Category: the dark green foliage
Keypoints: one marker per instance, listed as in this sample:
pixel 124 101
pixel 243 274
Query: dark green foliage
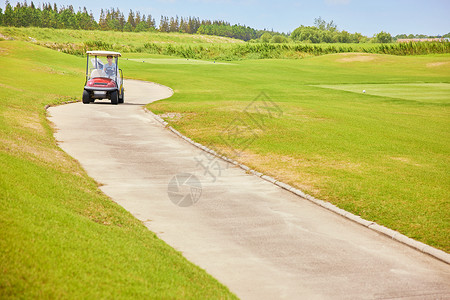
pixel 279 39
pixel 235 31
pixel 323 32
pixel 312 34
pixel 384 37
pixel 24 15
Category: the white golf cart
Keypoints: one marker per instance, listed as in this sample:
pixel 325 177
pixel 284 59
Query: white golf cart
pixel 103 80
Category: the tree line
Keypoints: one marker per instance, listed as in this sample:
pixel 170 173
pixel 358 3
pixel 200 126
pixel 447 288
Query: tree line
pixel 235 31
pixel 52 16
pixel 323 32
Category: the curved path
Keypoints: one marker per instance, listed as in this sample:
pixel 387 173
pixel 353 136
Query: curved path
pixel 258 239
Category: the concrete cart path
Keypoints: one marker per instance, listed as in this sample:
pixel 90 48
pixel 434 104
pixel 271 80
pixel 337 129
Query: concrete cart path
pixel 261 241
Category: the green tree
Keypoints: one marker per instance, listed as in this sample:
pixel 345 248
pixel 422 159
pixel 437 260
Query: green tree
pixel 307 34
pixel 173 24
pixel 265 38
pixel 278 38
pixel 344 37
pixel 224 29
pixel 142 25
pixel 131 20
pixel 128 27
pixel 320 23
pixel 164 24
pixel 102 21
pixel 384 37
pixel 400 36
pixel 151 22
pixel 358 38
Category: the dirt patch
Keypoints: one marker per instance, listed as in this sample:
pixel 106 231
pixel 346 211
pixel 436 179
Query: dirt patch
pixel 5 37
pixel 405 160
pixel 37 153
pixel 29 120
pixel 4 51
pixel 171 116
pixel 287 169
pixel 5 86
pixel 291 170
pixel 356 58
pixel 438 64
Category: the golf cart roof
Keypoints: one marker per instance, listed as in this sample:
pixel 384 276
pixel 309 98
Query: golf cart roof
pixel 104 53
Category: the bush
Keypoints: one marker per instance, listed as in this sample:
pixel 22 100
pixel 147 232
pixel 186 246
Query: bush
pixel 383 37
pixel 265 38
pixel 277 49
pixel 279 39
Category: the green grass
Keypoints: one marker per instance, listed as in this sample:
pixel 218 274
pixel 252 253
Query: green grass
pixel 428 92
pixel 384 155
pixel 174 61
pixel 60 237
pixel 112 37
pixel 78 41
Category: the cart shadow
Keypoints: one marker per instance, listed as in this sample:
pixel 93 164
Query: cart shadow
pixel 109 103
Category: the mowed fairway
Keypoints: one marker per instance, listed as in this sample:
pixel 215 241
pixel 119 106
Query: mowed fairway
pixel 383 154
pixel 427 92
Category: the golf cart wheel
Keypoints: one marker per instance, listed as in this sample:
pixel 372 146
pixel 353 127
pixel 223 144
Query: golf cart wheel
pixel 121 96
pixel 114 97
pixel 86 97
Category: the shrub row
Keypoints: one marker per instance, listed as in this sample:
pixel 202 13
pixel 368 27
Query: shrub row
pixel 229 52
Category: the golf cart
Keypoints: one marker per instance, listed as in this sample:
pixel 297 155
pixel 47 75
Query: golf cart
pixel 103 80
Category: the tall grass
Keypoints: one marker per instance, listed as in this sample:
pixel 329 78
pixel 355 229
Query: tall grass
pixel 265 50
pixel 412 48
pixel 229 52
pixel 202 47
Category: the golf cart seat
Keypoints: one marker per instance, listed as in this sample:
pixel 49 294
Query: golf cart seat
pixel 97 73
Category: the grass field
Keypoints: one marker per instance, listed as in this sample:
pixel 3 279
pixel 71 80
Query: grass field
pixel 78 41
pixel 437 93
pixel 112 37
pixel 60 237
pixel 383 154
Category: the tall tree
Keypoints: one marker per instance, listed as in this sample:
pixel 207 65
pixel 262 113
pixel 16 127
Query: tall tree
pixel 173 25
pixel 102 20
pixel 131 21
pixel 164 24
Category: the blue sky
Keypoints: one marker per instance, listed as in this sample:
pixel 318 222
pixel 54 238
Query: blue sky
pixel 429 17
